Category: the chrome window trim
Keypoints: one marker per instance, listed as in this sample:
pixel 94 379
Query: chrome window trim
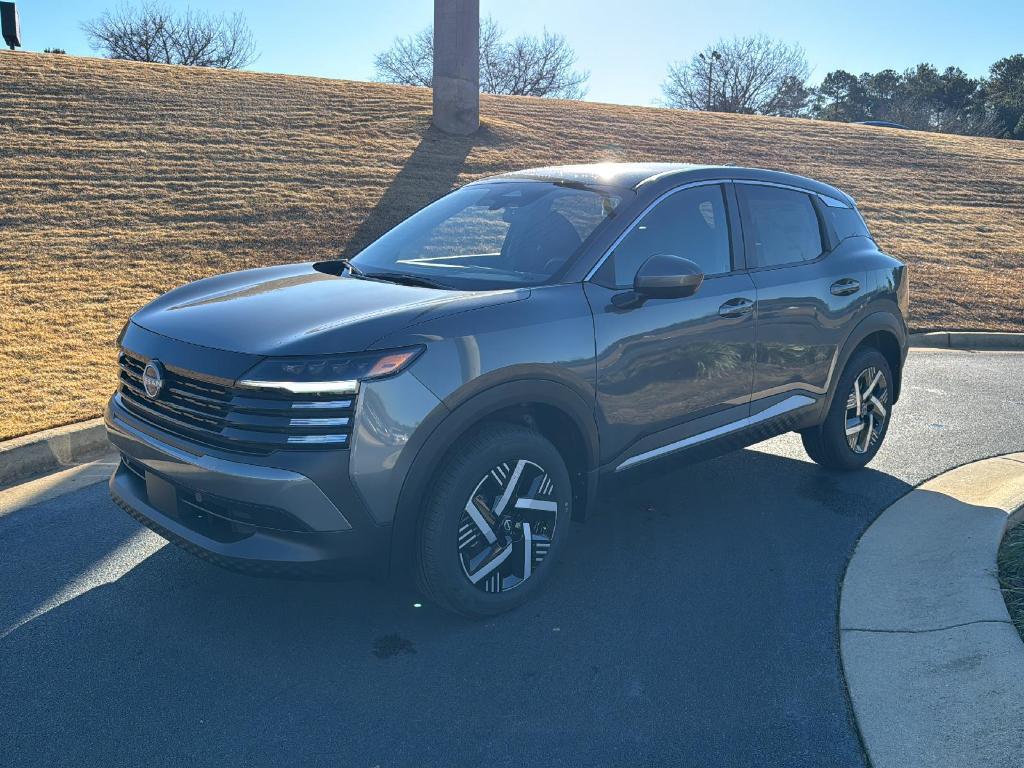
pixel 791 403
pixel 758 183
pixel 645 211
pixel 794 187
pixel 831 202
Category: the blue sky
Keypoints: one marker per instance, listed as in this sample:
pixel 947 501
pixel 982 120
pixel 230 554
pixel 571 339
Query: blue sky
pixel 626 46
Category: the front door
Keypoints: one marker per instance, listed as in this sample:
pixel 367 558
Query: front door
pixel 673 366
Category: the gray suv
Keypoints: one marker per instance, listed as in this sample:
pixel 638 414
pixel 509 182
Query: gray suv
pixel 445 402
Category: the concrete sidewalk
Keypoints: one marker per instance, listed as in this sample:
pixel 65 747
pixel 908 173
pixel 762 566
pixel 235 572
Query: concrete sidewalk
pixel 934 667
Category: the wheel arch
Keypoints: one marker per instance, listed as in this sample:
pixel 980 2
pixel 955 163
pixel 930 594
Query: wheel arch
pixel 884 331
pixel 555 410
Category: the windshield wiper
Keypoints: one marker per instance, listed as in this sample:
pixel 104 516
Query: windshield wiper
pixel 403 278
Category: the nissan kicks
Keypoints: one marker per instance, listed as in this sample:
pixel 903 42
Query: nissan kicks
pixel 444 403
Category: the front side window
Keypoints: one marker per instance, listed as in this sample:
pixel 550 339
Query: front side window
pixel 782 224
pixel 690 223
pixel 497 235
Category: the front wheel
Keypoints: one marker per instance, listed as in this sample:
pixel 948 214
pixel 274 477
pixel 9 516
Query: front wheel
pixel 858 419
pixel 495 522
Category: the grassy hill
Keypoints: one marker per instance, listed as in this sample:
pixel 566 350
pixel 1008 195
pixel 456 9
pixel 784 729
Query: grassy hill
pixel 121 180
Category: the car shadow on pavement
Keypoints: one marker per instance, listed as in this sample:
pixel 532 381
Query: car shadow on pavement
pixel 700 603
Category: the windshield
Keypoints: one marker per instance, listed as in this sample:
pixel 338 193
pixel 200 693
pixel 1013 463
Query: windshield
pixel 497 235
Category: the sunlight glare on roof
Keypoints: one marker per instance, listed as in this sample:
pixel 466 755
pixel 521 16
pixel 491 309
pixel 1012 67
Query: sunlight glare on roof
pixel 605 171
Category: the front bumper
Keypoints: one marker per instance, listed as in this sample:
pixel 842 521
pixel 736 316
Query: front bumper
pixel 249 517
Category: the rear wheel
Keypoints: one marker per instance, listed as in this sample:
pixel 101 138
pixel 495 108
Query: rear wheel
pixel 858 419
pixel 495 523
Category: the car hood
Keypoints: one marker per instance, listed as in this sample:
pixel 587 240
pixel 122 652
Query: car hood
pixel 299 310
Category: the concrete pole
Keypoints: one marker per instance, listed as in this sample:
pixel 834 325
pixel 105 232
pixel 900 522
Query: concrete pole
pixel 457 66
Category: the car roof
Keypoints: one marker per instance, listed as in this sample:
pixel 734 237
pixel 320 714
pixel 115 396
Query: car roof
pixel 629 175
pixel 660 175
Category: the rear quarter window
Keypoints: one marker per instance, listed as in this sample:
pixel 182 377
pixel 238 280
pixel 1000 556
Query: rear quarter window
pixel 847 222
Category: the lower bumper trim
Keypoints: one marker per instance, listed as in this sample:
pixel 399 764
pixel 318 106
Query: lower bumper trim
pixel 256 551
pixel 249 484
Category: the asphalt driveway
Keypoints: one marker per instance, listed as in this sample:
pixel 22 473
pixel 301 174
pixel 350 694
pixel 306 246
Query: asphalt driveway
pixel 693 623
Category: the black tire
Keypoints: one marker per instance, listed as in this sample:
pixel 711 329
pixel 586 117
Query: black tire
pixel 829 444
pixel 445 558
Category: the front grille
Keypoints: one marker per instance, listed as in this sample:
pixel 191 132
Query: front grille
pixel 235 419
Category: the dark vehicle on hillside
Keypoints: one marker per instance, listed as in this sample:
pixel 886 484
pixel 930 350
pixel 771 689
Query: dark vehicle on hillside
pixel 444 404
pixel 884 124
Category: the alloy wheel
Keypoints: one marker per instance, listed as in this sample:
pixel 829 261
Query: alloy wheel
pixel 867 410
pixel 507 526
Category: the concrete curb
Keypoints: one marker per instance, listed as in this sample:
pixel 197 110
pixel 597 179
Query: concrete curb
pixel 28 493
pixel 989 340
pixel 934 666
pixel 51 450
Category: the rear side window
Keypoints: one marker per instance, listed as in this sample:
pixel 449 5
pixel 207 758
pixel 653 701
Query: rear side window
pixel 690 223
pixel 847 222
pixel 782 224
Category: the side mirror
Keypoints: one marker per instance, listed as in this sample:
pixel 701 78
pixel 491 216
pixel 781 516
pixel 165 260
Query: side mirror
pixel 662 276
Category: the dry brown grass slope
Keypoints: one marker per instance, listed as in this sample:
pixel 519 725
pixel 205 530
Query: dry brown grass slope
pixel 120 181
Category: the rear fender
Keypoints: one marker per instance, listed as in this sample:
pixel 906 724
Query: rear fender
pixel 884 321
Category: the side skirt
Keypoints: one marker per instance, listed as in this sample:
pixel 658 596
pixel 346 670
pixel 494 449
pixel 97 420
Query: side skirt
pixel 793 412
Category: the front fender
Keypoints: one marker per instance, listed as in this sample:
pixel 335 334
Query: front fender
pixel 442 428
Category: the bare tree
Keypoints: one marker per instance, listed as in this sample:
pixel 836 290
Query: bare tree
pixel 410 60
pixel 752 75
pixel 536 66
pixel 526 66
pixel 492 53
pixel 150 31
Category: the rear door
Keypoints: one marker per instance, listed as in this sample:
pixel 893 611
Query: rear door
pixel 673 366
pixel 806 296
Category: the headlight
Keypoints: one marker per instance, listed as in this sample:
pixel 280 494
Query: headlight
pixel 334 374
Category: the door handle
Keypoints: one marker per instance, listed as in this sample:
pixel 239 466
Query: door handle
pixel 736 307
pixel 845 287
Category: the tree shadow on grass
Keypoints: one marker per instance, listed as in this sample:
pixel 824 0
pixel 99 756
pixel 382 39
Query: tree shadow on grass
pixel 430 172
